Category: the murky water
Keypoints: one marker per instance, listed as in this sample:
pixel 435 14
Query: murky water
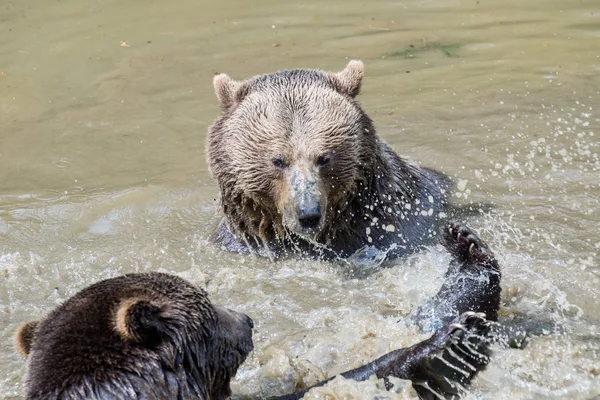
pixel 104 107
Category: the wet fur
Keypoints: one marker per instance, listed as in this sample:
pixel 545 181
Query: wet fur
pixel 373 196
pixel 472 282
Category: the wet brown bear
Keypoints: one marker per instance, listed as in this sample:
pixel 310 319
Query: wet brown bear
pixel 301 169
pixel 139 336
pixel 156 336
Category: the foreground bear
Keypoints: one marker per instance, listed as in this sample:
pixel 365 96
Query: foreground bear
pixel 138 336
pixel 156 336
pixel 301 169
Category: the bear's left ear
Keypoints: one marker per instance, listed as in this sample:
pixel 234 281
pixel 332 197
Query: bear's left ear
pixel 350 78
pixel 25 336
pixel 140 321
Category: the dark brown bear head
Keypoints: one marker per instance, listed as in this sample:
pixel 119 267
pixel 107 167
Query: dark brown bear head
pixel 289 149
pixel 151 335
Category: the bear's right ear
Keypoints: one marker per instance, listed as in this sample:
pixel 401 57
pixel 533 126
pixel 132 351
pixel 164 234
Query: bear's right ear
pixel 226 89
pixel 349 79
pixel 140 321
pixel 25 336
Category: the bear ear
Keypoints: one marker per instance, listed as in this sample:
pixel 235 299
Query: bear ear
pixel 140 321
pixel 226 89
pixel 25 336
pixel 350 78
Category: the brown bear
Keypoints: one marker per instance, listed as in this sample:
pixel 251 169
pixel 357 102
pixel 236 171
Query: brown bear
pixel 138 336
pixel 156 336
pixel 302 170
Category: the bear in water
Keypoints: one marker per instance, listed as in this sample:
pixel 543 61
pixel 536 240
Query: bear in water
pixel 156 336
pixel 138 336
pixel 302 170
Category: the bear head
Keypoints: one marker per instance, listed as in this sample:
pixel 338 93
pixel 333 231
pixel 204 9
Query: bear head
pixel 148 335
pixel 289 149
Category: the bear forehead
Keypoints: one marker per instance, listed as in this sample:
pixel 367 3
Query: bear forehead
pixel 94 310
pixel 306 112
pixel 165 289
pixel 298 77
pixel 151 282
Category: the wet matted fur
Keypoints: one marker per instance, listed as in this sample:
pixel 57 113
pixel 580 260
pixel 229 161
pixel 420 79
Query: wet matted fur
pixel 138 336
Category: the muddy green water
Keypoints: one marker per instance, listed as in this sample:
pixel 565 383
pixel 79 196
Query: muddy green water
pixel 104 107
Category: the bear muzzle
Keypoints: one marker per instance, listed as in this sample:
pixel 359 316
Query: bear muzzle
pixel 309 215
pixel 304 210
pixel 237 328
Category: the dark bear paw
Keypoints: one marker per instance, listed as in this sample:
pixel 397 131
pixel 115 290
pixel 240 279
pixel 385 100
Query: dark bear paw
pixel 452 357
pixel 467 248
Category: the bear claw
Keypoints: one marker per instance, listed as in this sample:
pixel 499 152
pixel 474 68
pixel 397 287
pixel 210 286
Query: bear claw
pixel 457 326
pixel 461 352
pixel 467 247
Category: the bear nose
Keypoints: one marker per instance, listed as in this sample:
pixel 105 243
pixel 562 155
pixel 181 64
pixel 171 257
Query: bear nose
pixel 309 218
pixel 249 322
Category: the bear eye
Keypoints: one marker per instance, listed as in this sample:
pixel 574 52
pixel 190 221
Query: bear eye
pixel 278 162
pixel 323 160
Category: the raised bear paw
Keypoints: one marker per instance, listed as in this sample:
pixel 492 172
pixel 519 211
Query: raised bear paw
pixel 467 248
pixel 450 359
pixel 472 282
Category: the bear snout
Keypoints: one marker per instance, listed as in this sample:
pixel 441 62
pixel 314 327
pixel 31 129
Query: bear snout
pixel 304 210
pixel 309 215
pixel 304 214
pixel 237 327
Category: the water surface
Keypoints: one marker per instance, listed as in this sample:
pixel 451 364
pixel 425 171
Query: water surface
pixel 104 108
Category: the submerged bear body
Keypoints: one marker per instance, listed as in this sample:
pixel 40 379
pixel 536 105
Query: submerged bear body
pixel 301 169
